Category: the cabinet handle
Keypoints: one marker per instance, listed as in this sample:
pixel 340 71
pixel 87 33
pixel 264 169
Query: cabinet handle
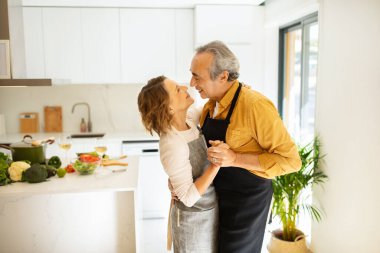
pixel 155 150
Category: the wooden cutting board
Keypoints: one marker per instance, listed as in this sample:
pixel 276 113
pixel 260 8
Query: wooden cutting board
pixel 53 118
pixel 29 122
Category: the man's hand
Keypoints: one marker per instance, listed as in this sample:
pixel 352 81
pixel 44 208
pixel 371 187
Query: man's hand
pixel 174 197
pixel 220 154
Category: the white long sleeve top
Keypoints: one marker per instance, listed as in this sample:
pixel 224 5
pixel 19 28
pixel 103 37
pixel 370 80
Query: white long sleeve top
pixel 174 154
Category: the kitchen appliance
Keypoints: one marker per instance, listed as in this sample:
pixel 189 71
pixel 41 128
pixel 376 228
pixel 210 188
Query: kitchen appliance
pixel 153 191
pixel 53 118
pixel 29 122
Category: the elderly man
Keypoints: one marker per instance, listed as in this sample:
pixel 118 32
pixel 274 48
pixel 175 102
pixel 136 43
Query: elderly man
pixel 247 138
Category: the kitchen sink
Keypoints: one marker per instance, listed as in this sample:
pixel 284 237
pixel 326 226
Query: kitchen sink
pixel 87 135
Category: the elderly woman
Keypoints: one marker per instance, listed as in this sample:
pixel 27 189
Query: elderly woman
pixel 163 105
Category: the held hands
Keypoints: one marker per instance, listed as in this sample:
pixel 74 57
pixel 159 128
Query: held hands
pixel 220 154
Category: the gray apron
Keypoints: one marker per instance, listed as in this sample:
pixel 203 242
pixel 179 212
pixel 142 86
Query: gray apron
pixel 195 229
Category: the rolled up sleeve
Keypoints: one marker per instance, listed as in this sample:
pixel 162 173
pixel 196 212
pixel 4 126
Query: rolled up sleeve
pixel 280 154
pixel 175 160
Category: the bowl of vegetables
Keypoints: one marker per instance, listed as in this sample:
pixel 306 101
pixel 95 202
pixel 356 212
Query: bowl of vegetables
pixel 86 164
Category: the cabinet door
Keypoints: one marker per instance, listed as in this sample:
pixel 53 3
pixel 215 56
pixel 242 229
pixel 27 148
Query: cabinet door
pixel 184 37
pixel 228 23
pixel 147 44
pixel 34 49
pixel 63 43
pixel 154 187
pixel 101 45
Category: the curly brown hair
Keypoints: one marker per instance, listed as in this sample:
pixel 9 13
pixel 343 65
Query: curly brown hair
pixel 153 102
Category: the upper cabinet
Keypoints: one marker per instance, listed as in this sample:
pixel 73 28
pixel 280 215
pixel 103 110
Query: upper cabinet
pixel 100 45
pixel 156 42
pixel 241 27
pixel 107 45
pixel 34 44
pixel 148 39
pixel 85 45
pixel 230 24
pixel 63 43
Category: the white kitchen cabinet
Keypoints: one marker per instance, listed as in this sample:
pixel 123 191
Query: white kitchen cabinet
pixel 101 45
pixel 241 27
pixel 153 194
pixel 184 51
pixel 156 42
pixel 154 186
pixel 107 45
pixel 34 44
pixel 72 45
pixel 228 23
pixel 63 43
pixel 147 44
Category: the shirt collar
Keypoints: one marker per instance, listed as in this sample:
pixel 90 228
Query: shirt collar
pixel 227 99
pixel 224 102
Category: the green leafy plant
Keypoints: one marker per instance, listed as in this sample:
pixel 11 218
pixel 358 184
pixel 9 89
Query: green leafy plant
pixel 4 165
pixel 287 190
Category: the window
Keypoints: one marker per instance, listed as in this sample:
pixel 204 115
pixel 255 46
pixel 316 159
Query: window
pixel 297 77
pixel 297 86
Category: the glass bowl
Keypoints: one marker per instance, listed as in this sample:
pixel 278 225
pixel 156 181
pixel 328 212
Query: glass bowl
pixel 85 168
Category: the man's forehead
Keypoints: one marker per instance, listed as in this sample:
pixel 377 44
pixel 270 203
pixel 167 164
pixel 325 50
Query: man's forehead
pixel 200 63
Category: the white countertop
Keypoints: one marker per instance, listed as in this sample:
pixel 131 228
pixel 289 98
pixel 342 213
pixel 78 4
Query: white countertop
pixel 103 179
pixel 120 136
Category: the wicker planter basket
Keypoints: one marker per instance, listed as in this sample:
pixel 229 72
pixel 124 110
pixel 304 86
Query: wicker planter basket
pixel 277 245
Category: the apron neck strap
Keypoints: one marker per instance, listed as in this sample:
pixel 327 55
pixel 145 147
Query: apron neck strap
pixel 233 103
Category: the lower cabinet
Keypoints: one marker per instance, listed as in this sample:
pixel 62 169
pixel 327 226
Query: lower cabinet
pixel 154 186
pixel 153 192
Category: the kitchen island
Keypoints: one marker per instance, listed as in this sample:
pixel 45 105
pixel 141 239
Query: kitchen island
pixel 77 213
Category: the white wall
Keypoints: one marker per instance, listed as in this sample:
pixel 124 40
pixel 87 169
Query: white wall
pixel 277 14
pixel 348 120
pixel 113 107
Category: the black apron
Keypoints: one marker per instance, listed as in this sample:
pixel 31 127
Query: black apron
pixel 244 198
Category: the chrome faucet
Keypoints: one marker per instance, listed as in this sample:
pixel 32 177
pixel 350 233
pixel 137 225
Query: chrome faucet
pixel 89 123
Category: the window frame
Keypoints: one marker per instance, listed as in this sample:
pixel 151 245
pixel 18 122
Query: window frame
pixel 297 24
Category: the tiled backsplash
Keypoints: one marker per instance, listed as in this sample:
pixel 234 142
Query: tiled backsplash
pixel 113 107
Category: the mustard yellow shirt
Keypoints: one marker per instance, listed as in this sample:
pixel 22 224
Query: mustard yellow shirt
pixel 256 127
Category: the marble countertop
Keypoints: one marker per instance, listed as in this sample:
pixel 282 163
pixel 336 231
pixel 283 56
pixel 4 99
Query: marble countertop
pixel 120 136
pixel 102 180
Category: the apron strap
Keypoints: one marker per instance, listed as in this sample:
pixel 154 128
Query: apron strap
pixel 233 103
pixel 169 238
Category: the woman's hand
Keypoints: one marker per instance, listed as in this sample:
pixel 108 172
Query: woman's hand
pixel 220 154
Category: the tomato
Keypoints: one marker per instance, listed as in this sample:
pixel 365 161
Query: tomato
pixel 88 158
pixel 69 168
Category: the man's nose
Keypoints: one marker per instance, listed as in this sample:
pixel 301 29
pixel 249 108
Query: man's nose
pixel 192 82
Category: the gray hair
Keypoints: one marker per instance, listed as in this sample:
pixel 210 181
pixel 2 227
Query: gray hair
pixel 224 60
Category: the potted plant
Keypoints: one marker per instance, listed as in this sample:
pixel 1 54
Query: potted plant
pixel 288 200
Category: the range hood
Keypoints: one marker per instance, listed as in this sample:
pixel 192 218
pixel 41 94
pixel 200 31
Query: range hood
pixel 4 35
